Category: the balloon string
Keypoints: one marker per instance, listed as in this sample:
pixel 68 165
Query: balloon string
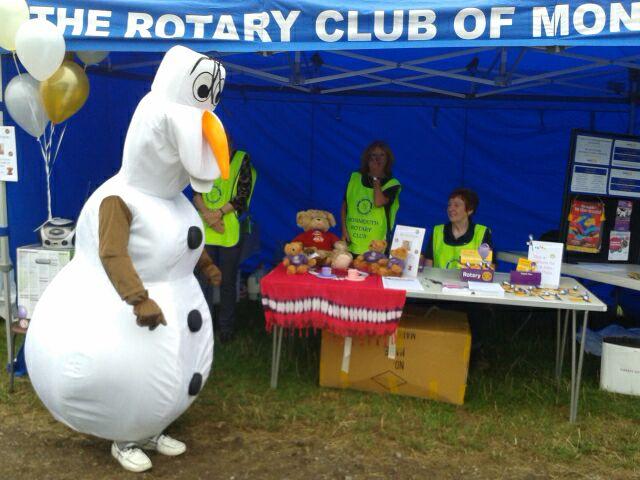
pixel 55 155
pixel 48 170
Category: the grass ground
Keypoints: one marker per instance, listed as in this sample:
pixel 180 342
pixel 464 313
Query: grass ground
pixel 513 424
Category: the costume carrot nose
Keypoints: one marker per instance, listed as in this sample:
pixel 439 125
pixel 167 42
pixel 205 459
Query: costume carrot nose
pixel 213 131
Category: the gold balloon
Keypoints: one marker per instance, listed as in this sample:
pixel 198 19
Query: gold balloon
pixel 65 92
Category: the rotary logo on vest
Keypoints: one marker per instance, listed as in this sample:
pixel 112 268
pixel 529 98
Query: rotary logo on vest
pixel 364 206
pixel 214 194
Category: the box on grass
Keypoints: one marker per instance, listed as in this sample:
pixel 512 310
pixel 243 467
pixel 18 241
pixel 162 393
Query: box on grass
pixel 431 360
pixel 620 365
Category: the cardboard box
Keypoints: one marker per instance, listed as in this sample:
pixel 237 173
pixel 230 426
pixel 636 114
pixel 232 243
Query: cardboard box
pixel 431 359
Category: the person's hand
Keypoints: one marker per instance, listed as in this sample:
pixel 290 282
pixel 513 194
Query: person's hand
pixel 213 275
pixel 212 217
pixel 376 171
pixel 148 314
pixel 218 226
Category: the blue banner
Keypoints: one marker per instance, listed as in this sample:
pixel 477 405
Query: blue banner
pixel 277 25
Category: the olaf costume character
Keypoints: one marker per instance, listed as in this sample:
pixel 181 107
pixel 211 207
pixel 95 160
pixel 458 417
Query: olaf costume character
pixel 91 359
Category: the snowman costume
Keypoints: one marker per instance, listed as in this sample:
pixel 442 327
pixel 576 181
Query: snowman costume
pixel 138 241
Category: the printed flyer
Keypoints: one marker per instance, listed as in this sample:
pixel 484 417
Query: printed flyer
pixel 623 215
pixel 619 245
pixel 8 156
pixel 585 226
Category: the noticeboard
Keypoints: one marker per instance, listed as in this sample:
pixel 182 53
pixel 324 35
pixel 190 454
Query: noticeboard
pixel 601 206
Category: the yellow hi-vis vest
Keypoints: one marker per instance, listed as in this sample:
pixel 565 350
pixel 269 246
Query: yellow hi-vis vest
pixel 365 221
pixel 221 193
pixel 447 256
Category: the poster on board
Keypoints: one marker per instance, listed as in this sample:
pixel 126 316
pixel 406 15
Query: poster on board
pixel 593 150
pixel 585 226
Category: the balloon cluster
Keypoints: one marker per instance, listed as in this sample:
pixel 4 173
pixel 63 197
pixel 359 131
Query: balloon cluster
pixel 55 87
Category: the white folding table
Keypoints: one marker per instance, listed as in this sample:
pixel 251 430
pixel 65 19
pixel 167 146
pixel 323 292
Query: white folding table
pixel 431 280
pixel 616 274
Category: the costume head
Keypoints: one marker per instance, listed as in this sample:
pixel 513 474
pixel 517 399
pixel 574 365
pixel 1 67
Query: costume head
pixel 178 110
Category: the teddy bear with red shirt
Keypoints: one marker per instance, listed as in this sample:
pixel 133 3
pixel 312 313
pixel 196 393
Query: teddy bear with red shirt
pixel 317 240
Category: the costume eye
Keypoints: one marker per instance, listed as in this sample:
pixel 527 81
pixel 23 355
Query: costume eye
pixel 202 86
pixel 217 92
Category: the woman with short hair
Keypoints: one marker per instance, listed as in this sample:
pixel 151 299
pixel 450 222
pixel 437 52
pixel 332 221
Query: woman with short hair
pixel 447 240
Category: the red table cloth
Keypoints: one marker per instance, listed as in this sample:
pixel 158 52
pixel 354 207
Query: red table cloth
pixel 340 306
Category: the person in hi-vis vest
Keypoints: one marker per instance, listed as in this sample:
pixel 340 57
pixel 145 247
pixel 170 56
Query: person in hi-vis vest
pixel 371 200
pixel 447 240
pixel 220 210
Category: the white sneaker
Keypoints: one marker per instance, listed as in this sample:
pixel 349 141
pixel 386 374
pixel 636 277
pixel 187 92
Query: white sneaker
pixel 165 445
pixel 131 457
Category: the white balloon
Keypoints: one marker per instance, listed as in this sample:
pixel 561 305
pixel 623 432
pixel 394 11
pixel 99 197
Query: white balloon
pixel 40 47
pixel 24 104
pixel 92 57
pixel 13 13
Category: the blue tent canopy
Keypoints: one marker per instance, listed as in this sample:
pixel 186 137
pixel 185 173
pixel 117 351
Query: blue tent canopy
pixel 490 108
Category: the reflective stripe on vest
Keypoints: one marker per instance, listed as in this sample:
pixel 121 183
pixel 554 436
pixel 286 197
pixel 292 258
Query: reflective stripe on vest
pixel 365 221
pixel 444 255
pixel 221 193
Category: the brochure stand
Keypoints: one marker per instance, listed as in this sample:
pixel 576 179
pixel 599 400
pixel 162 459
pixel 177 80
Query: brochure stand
pixel 601 205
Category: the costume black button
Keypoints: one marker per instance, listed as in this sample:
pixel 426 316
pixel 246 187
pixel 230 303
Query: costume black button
pixel 194 237
pixel 195 384
pixel 194 320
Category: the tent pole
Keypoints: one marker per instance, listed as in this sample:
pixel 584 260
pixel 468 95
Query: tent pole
pixel 5 258
pixel 5 266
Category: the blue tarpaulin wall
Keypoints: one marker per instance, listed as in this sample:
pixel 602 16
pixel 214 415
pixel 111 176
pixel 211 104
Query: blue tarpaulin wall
pixel 513 154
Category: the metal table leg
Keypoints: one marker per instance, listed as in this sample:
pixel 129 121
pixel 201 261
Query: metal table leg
pixel 578 377
pixel 563 344
pixel 12 365
pixel 573 364
pixel 275 354
pixel 558 328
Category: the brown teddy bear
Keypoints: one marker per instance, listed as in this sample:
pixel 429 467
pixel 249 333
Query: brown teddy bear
pixel 316 237
pixel 340 258
pixel 395 264
pixel 295 260
pixel 370 260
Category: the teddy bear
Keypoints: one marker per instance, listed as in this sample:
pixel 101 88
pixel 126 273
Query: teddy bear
pixel 316 239
pixel 295 260
pixel 372 258
pixel 395 264
pixel 340 258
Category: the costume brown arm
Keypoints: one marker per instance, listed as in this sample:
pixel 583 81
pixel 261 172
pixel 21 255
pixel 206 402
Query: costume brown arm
pixel 113 233
pixel 208 269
